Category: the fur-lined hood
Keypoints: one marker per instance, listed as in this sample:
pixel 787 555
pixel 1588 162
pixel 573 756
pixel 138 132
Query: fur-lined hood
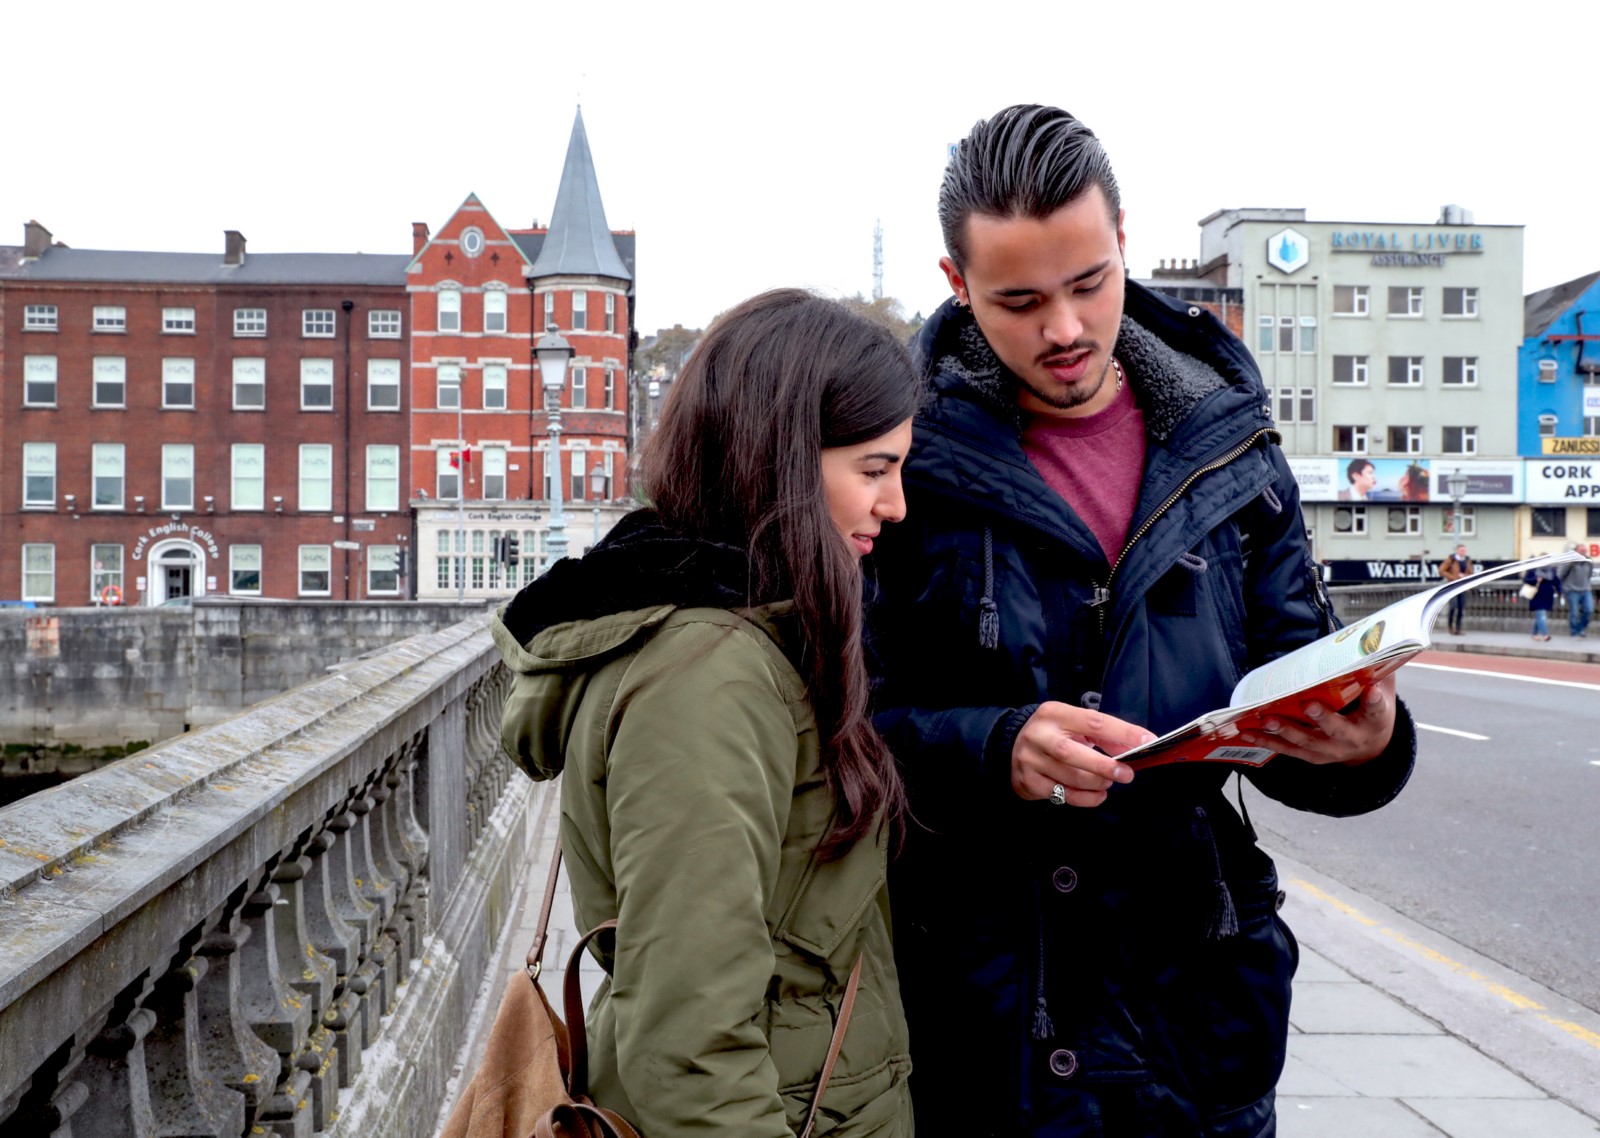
pixel 564 628
pixel 640 565
pixel 1172 366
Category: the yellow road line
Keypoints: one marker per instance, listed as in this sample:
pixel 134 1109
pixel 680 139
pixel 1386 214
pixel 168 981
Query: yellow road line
pixel 1330 899
pixel 1514 998
pixel 1577 1030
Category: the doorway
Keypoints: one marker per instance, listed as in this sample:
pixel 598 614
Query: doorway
pixel 180 581
pixel 176 573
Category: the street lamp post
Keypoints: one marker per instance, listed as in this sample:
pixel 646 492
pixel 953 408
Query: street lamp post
pixel 1456 486
pixel 597 487
pixel 553 353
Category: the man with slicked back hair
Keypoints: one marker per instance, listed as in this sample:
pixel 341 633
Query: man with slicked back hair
pixel 1103 536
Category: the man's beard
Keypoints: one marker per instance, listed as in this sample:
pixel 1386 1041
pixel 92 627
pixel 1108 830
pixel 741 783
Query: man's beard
pixel 1065 400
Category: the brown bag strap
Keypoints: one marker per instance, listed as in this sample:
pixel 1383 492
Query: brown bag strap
pixel 582 1120
pixel 834 1044
pixel 572 1007
pixel 577 1032
pixel 536 950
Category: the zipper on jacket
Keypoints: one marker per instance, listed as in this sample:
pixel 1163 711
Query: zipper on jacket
pixel 1102 593
pixel 1319 592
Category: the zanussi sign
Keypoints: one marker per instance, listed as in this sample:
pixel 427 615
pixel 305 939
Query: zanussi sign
pixel 1570 446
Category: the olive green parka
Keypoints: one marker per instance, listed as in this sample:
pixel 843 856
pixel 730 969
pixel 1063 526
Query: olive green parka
pixel 692 808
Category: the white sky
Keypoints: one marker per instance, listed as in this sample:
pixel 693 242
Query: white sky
pixel 754 145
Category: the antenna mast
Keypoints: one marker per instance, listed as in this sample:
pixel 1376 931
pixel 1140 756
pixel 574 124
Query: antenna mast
pixel 877 260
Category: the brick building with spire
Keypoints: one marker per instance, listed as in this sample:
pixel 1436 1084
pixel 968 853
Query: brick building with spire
pixel 480 449
pixel 309 425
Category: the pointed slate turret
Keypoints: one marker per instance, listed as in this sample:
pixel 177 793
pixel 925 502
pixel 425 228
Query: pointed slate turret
pixel 579 242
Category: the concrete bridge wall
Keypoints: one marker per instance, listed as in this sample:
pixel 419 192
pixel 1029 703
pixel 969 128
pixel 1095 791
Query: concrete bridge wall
pixel 277 924
pixel 103 677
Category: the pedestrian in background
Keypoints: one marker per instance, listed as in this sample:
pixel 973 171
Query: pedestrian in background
pixel 1542 600
pixel 699 675
pixel 1576 583
pixel 1453 568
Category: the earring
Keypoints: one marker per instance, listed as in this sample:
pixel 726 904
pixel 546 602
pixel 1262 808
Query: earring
pixel 961 301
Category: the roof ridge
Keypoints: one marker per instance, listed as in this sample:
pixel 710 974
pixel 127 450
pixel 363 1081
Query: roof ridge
pixel 1547 305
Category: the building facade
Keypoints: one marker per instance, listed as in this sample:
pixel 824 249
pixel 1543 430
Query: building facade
pixel 1558 370
pixel 1390 353
pixel 330 426
pixel 181 424
pixel 481 444
pixel 1558 424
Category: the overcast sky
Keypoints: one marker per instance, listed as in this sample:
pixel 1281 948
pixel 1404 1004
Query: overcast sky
pixel 755 145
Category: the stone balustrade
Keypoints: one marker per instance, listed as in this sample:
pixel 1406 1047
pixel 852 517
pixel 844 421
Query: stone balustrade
pixel 274 925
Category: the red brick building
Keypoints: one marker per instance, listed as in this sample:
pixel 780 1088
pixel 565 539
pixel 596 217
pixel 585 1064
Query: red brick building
pixel 336 426
pixel 178 424
pixel 480 297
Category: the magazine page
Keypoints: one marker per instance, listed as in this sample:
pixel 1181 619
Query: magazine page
pixel 1214 736
pixel 1331 671
pixel 1440 596
pixel 1406 622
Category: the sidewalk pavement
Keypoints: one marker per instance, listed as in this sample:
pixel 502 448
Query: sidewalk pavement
pixel 1398 1032
pixel 1561 645
pixel 1395 1031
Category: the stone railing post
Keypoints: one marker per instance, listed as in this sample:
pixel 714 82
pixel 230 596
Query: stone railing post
pixel 188 1097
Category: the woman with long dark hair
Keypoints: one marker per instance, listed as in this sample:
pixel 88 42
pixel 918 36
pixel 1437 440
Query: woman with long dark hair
pixel 699 676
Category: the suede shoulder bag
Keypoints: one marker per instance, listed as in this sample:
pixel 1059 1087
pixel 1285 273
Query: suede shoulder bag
pixel 534 1078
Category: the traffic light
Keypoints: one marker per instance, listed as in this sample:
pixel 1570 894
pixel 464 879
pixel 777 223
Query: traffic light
pixel 510 549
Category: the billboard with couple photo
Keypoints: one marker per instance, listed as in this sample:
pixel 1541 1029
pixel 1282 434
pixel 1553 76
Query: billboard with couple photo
pixel 1383 480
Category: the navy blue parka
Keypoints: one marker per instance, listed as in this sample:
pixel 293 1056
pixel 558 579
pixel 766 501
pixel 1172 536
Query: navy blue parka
pixel 1120 970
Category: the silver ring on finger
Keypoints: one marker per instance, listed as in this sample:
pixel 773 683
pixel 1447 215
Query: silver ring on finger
pixel 1058 795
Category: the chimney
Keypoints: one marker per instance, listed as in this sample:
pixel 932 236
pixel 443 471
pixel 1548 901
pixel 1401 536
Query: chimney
pixel 233 252
pixel 35 240
pixel 419 236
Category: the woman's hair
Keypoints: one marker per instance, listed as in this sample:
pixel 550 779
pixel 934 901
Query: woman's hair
pixel 737 459
pixel 1415 483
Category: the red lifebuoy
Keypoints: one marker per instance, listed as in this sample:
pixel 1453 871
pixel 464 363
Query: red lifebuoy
pixel 111 595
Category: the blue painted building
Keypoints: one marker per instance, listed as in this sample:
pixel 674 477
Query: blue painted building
pixel 1558 370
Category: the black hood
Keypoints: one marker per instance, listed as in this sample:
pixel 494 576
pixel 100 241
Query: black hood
pixel 640 564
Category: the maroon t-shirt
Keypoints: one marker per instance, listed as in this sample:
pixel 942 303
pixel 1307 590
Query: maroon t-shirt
pixel 1096 463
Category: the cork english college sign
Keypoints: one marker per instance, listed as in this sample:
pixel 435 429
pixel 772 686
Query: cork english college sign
pixel 173 529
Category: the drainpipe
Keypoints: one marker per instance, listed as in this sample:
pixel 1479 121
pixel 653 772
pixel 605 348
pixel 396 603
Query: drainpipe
pixel 349 414
pixel 535 388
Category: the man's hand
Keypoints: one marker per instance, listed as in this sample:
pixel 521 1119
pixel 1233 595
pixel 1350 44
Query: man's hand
pixel 1057 744
pixel 1325 736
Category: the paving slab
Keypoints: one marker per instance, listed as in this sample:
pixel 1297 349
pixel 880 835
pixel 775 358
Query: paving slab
pixel 1500 1118
pixel 1410 1066
pixel 1318 969
pixel 1300 1079
pixel 1502 1016
pixel 1352 1009
pixel 1343 1117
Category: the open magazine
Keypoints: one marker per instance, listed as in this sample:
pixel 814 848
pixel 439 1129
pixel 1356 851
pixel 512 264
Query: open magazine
pixel 1331 671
